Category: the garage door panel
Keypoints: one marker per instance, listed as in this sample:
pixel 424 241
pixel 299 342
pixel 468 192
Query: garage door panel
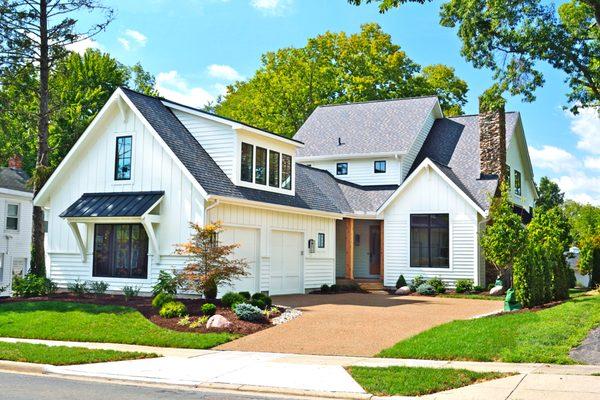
pixel 248 250
pixel 286 262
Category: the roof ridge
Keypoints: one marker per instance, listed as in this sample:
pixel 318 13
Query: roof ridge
pixel 378 101
pixel 476 115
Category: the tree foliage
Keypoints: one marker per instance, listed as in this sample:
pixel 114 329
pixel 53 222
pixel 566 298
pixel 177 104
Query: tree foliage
pixel 210 263
pixel 549 194
pixel 584 219
pixel 589 259
pixel 514 38
pixel 335 68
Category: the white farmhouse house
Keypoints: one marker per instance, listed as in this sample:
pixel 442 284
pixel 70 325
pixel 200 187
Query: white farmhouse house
pixel 15 223
pixel 369 190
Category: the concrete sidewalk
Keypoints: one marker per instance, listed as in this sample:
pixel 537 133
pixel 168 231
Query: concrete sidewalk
pixel 323 376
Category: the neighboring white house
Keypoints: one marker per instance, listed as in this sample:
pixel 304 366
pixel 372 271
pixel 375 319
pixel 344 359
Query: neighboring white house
pixel 15 223
pixel 380 198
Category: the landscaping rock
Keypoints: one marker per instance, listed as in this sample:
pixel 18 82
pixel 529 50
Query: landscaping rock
pixel 288 315
pixel 403 291
pixel 497 291
pixel 218 322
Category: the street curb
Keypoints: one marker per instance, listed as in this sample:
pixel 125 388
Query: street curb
pixel 23 367
pixel 306 393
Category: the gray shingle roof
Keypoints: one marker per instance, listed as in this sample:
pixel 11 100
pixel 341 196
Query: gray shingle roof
pixel 371 127
pixel 453 144
pixel 14 179
pixel 117 204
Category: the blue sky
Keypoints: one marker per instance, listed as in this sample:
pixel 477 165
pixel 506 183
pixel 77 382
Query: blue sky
pixel 196 47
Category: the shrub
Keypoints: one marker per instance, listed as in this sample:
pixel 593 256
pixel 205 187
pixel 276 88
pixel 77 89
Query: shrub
pixel 245 295
pixel 161 299
pixel 173 309
pixel 98 287
pixel 199 322
pixel 400 282
pixel 185 321
pixel 130 292
pixel 477 289
pixel 325 289
pixel 416 282
pixel 572 280
pixel 230 298
pixel 248 312
pixel 264 298
pixel 78 287
pixel 438 284
pixel 258 303
pixel 426 289
pixel 464 285
pixel 209 309
pixel 334 288
pixel 32 286
pixel 166 283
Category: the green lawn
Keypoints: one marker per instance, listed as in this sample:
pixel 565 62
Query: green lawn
pixel 544 336
pixel 61 355
pixel 415 381
pixel 79 322
pixel 471 296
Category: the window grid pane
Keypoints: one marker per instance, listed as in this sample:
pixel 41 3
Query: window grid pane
pixel 123 158
pixel 379 167
pixel 273 169
pixel 246 167
pixel 342 169
pixel 286 172
pixel 260 170
pixel 517 183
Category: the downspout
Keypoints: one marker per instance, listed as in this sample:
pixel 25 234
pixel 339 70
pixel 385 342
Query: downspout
pixel 207 209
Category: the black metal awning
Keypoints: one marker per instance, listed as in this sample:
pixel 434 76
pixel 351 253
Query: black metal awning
pixel 116 204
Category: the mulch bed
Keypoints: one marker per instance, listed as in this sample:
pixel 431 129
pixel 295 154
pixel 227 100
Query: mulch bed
pixel 144 306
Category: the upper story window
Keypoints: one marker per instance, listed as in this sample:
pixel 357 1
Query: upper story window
pixel 508 175
pixel 342 168
pixel 379 167
pixel 247 158
pixel 517 183
pixel 429 241
pixel 260 169
pixel 123 158
pixel 274 169
pixel 12 217
pixel 286 172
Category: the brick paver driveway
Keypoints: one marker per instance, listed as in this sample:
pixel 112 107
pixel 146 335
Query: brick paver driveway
pixel 355 324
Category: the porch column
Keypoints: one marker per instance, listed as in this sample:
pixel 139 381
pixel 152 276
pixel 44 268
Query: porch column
pixel 349 248
pixel 381 252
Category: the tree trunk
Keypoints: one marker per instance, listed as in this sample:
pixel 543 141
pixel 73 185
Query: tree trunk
pixel 41 166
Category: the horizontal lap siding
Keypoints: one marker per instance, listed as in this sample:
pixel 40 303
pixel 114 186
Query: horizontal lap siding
pixel 361 172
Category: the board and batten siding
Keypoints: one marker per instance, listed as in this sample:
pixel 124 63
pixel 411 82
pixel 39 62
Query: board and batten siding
pixel 318 267
pixel 361 170
pixel 219 140
pixel 92 170
pixel 429 193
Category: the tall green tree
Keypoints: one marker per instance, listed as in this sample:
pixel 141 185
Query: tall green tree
pixel 514 37
pixel 549 194
pixel 584 219
pixel 335 68
pixel 36 33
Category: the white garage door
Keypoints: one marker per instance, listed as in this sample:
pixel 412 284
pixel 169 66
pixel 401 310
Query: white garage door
pixel 248 250
pixel 286 262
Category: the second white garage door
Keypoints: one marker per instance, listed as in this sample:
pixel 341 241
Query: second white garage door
pixel 286 263
pixel 247 239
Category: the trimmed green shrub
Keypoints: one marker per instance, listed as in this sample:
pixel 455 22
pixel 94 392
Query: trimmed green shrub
pixel 258 303
pixel 173 309
pixel 130 292
pixel 438 284
pixel 209 309
pixel 334 288
pixel 400 282
pixel 230 298
pixel 264 298
pixel 79 288
pixel 325 289
pixel 571 278
pixel 426 290
pixel 248 312
pixel 464 286
pixel 416 282
pixel 246 295
pixel 98 287
pixel 32 286
pixel 477 289
pixel 161 299
pixel 166 283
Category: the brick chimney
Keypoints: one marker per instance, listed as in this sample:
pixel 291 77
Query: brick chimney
pixel 15 162
pixel 492 142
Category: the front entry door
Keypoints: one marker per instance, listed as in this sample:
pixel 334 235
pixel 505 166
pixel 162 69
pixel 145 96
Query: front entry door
pixel 374 250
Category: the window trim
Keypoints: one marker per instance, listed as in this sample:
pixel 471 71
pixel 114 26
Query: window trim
pixel 430 268
pixel 142 229
pixel 321 240
pixel 518 183
pixel 130 178
pixel 375 171
pixel 337 168
pixel 18 217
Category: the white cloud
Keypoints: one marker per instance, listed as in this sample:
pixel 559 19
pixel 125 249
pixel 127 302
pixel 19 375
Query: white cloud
pixel 81 46
pixel 125 43
pixel 586 125
pixel 580 186
pixel 139 37
pixel 174 87
pixel 272 7
pixel 552 158
pixel 592 162
pixel 224 72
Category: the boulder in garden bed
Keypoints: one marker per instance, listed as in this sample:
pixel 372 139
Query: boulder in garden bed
pixel 218 322
pixel 403 291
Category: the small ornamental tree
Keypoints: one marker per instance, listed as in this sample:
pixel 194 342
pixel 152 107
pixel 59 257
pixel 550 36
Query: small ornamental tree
pixel 504 237
pixel 589 259
pixel 210 263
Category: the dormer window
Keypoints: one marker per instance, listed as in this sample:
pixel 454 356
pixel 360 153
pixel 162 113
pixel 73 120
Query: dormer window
pixel 379 167
pixel 260 171
pixel 246 168
pixel 261 166
pixel 286 172
pixel 274 169
pixel 123 159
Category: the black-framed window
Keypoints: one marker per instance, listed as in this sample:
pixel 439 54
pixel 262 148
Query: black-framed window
pixel 260 169
pixel 246 162
pixel 273 169
pixel 321 240
pixel 379 167
pixel 517 183
pixel 341 168
pixel 12 217
pixel 120 251
pixel 123 158
pixel 286 172
pixel 429 241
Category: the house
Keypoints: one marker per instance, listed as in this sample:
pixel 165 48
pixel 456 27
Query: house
pixel 16 211
pixel 369 190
